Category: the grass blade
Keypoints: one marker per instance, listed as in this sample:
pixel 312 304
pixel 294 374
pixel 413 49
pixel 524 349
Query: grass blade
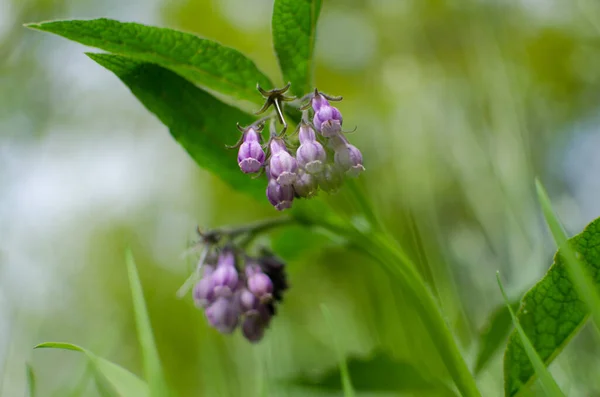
pixel 494 335
pixel 548 383
pixel 344 374
pixel 30 380
pixel 152 367
pixel 122 382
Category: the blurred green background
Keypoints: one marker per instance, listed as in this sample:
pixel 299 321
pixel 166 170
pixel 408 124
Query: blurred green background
pixel 458 104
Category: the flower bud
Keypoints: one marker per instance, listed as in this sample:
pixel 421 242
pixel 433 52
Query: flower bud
pixel 310 155
pixel 225 276
pixel 248 301
pixel 282 165
pixel 223 314
pixel 259 283
pixel 251 155
pixel 331 179
pixel 306 185
pixel 328 119
pixel 204 293
pixel 255 324
pixel 349 158
pixel 280 197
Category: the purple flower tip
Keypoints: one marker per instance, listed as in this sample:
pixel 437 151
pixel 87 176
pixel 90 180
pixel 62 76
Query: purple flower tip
pixel 261 286
pixel 282 165
pixel 349 158
pixel 204 292
pixel 248 301
pixel 254 325
pixel 223 315
pixel 225 277
pixel 279 196
pixel 310 155
pixel 327 119
pixel 251 155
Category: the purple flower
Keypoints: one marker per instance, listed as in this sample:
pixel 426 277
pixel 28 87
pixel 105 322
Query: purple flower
pixel 328 119
pixel 225 276
pixel 254 325
pixel 306 185
pixel 248 301
pixel 279 196
pixel 282 165
pixel 259 283
pixel 224 314
pixel 310 155
pixel 331 178
pixel 251 155
pixel 349 159
pixel 204 293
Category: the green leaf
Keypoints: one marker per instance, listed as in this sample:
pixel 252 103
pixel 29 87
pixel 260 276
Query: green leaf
pixel 152 367
pixel 202 124
pixel 201 61
pixel 552 311
pixel 123 382
pixel 494 334
pixel 548 383
pixel 30 380
pixel 556 308
pixel 294 28
pixel 378 373
pixel 582 280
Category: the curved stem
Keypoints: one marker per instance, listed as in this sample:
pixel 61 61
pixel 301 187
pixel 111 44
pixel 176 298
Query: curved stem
pixel 257 227
pixel 390 255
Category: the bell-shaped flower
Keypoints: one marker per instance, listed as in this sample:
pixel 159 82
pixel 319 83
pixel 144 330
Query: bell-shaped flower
pixel 310 154
pixel 279 196
pixel 282 165
pixel 251 155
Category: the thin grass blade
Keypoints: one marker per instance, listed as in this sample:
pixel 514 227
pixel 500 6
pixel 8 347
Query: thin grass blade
pixel 344 374
pixel 152 366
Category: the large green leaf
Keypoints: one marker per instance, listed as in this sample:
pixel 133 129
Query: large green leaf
pixel 552 312
pixel 378 373
pixel 294 31
pixel 123 383
pixel 199 122
pixel 152 367
pixel 201 61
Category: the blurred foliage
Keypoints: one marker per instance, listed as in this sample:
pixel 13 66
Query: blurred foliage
pixel 458 106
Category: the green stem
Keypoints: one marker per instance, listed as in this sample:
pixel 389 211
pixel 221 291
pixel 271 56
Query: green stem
pixel 390 255
pixel 249 232
pixel 256 227
pixel 432 318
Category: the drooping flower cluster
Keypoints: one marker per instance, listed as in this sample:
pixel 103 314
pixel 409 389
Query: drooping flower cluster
pixel 238 290
pixel 321 158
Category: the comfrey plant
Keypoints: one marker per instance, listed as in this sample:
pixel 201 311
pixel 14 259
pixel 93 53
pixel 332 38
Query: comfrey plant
pixel 239 285
pixel 235 288
pixel 323 156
